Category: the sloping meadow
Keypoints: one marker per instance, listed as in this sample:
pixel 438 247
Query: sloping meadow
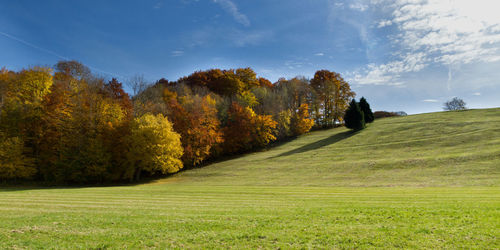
pixel 423 181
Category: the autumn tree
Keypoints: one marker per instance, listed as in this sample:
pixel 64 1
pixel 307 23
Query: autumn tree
pixel 20 119
pixel 274 102
pixel 24 93
pixel 263 82
pixel 284 126
pixel 294 92
pixel 14 163
pixel 333 94
pixel 5 76
pixel 71 126
pixel 263 130
pixel 195 118
pixel 85 120
pixel 114 90
pixel 246 130
pixel 150 100
pixel 224 82
pixel 301 122
pixel 154 147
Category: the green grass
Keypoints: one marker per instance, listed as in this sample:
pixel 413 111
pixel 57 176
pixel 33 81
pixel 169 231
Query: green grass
pixel 423 181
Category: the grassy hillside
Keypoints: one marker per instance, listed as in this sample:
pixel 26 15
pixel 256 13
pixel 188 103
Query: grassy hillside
pixel 430 180
pixel 436 149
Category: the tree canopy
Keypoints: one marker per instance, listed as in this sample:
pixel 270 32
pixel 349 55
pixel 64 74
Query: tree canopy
pixel 65 124
pixel 455 104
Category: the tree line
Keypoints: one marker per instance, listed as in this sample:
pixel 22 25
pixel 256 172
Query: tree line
pixel 65 124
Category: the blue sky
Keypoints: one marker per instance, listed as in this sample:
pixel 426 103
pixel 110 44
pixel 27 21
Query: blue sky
pixel 409 55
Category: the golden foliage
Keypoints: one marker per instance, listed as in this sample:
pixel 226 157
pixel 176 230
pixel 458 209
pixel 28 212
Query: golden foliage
pixel 153 146
pixel 300 122
pixel 246 130
pixel 13 163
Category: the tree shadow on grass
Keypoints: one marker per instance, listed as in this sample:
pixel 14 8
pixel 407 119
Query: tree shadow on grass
pixel 319 144
pixel 13 186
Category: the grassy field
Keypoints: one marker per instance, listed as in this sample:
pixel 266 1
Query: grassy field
pixel 423 181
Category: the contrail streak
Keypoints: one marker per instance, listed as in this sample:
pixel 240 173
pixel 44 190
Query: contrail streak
pixel 54 53
pixel 33 46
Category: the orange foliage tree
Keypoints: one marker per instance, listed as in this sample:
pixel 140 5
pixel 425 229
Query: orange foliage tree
pixel 224 82
pixel 84 123
pixel 246 130
pixel 195 119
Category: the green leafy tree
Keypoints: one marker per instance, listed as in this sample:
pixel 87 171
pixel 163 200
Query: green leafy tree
pixel 354 117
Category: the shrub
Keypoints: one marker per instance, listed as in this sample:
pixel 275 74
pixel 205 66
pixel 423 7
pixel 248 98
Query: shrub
pixel 383 114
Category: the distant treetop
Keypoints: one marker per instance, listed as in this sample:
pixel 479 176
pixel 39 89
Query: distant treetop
pixel 454 105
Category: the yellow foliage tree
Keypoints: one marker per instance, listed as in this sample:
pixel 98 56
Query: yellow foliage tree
pixel 264 129
pixel 23 96
pixel 13 163
pixel 300 121
pixel 32 85
pixel 153 146
pixel 20 119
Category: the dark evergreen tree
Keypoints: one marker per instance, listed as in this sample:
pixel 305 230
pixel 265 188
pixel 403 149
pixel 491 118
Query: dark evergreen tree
pixel 354 117
pixel 367 111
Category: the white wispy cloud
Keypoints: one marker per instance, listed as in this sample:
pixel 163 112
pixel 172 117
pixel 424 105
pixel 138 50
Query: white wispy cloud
pixel 339 5
pixel 384 23
pixel 177 53
pixel 231 8
pixel 245 38
pixel 476 94
pixel 449 33
pixel 358 6
pixel 391 72
pixel 430 100
pixel 292 64
pixel 319 54
pixel 208 36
